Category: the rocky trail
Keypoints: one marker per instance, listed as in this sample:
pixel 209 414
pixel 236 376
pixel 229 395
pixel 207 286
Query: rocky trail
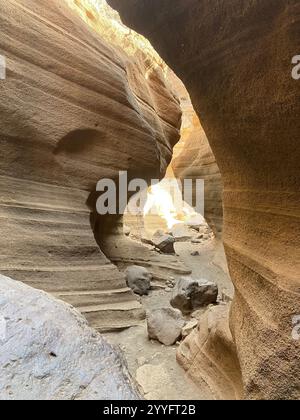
pixel 152 364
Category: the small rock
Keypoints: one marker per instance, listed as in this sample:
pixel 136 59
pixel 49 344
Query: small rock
pixel 168 289
pixel 138 279
pixel 142 361
pixel 165 243
pixel 189 327
pixel 196 241
pixel 165 325
pixel 170 283
pixel 195 254
pixel 193 294
pixel 126 230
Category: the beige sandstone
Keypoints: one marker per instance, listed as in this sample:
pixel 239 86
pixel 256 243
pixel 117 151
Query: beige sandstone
pixel 73 110
pixel 235 60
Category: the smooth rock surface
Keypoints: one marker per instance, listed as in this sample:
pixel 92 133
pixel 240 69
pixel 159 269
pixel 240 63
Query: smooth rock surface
pixel 191 294
pixel 50 353
pixel 138 279
pixel 235 60
pixel 74 110
pixel 165 325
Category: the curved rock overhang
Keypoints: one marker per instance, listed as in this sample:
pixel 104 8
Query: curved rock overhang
pixel 235 60
pixel 74 110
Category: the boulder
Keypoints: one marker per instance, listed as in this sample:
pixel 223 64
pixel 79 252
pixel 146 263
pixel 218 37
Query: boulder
pixel 48 351
pixel 138 279
pixel 164 242
pixel 191 294
pixel 165 325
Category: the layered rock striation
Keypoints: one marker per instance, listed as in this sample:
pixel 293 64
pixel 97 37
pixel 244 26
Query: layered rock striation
pixel 73 111
pixel 235 60
pixel 194 159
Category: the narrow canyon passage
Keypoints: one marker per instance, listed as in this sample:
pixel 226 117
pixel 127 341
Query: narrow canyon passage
pixel 196 294
pixel 197 254
pixel 231 57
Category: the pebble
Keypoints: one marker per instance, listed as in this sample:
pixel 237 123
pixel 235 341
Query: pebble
pixel 195 254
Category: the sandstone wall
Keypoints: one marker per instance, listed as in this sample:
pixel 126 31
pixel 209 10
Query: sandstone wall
pixel 235 59
pixel 73 110
pixel 197 161
pixel 194 159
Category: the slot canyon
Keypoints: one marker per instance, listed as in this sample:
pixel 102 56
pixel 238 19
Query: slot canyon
pixel 166 303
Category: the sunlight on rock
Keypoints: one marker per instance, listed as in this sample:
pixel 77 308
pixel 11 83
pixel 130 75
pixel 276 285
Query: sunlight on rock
pixel 106 21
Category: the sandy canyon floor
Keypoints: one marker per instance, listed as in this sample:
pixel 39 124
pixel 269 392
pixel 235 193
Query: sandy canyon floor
pixel 152 365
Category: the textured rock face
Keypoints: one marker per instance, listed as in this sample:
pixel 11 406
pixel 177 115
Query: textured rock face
pixel 208 354
pixel 197 161
pixel 48 352
pixel 235 59
pixel 191 294
pixel 73 111
pixel 194 159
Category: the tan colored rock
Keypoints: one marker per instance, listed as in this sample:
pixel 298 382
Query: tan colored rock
pixel 194 159
pixel 208 354
pixel 150 379
pixel 73 111
pixel 189 328
pixel 235 60
pixel 165 325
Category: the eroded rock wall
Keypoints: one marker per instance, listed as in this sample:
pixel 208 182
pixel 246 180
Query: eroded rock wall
pixel 194 159
pixel 235 59
pixel 73 111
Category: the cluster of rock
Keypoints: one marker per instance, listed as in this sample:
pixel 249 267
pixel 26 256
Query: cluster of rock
pixel 169 324
pixel 165 242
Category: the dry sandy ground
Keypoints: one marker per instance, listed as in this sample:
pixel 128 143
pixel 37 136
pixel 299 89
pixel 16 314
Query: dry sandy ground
pixel 154 365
